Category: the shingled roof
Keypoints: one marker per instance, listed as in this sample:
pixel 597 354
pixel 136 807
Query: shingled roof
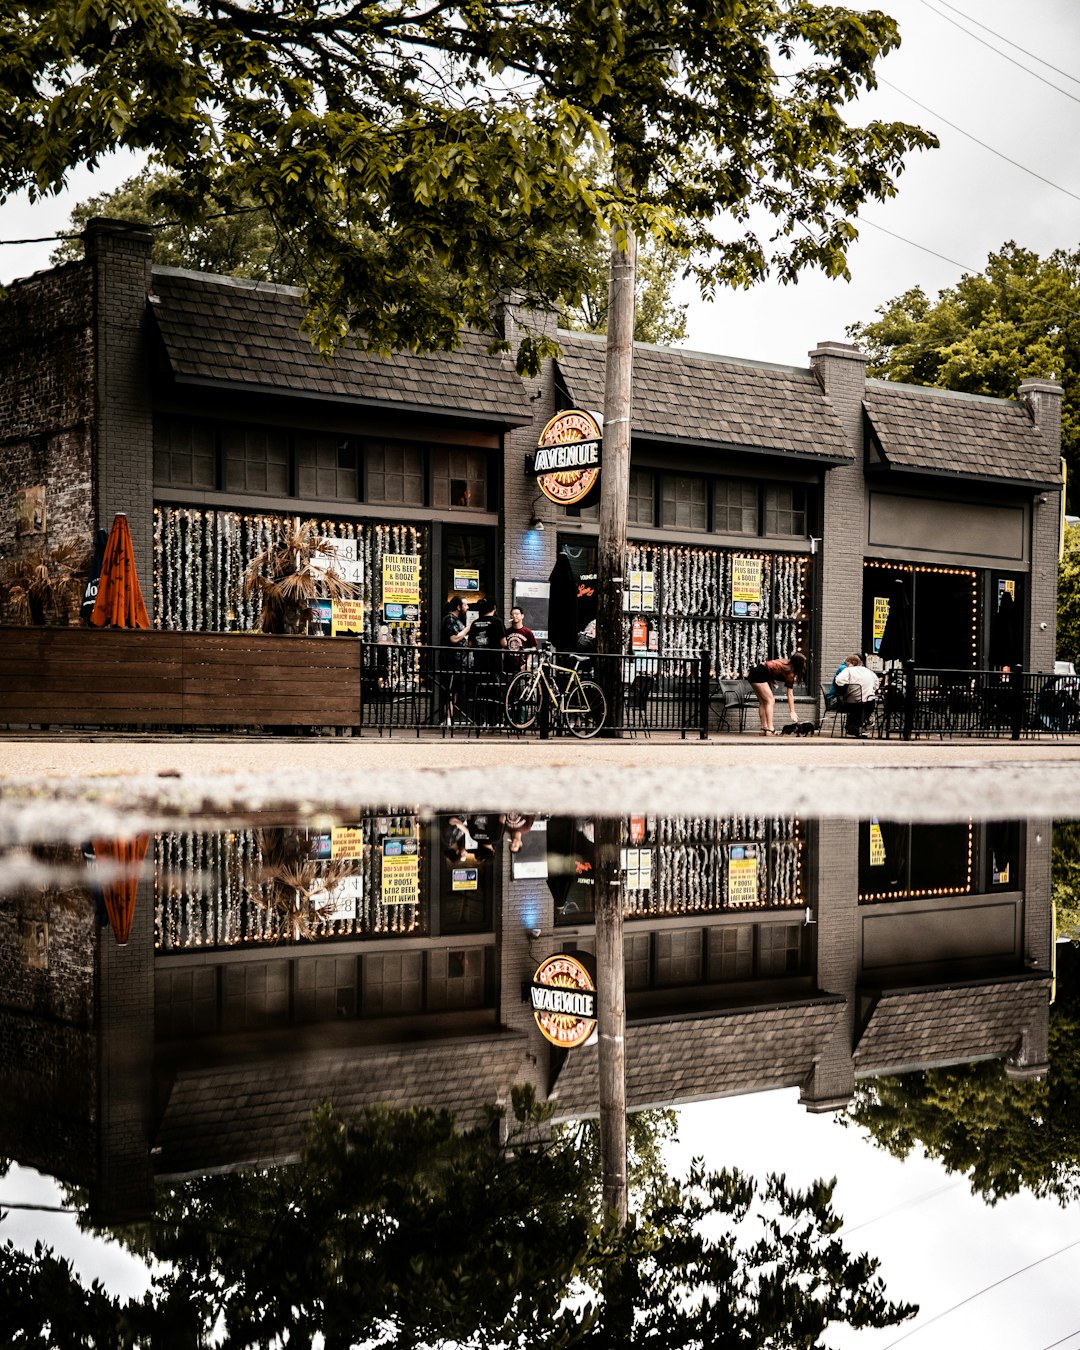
pixel 959 435
pixel 246 335
pixel 712 402
pixel 918 1028
pixel 695 1058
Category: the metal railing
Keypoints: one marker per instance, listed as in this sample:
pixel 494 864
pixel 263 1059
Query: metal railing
pixel 977 703
pixel 463 693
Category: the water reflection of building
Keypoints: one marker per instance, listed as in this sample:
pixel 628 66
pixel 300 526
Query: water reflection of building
pixel 385 962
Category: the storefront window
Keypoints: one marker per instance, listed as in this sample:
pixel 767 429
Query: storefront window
pixel 327 467
pixel 736 506
pixel 641 502
pixel 926 614
pixel 785 510
pixel 394 473
pixel 684 503
pixel 256 460
pixel 902 861
pixel 185 453
pixel 459 477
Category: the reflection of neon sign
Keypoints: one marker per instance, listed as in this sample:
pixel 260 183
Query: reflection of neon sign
pixel 566 462
pixel 563 995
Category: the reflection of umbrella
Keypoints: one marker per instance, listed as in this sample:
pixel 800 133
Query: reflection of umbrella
pixel 896 639
pixel 119 599
pixel 571 865
pixel 93 577
pixel 119 892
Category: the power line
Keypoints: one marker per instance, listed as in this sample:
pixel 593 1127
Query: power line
pixel 42 1209
pixel 1034 56
pixel 904 1204
pixel 979 1293
pixel 933 252
pixel 1004 55
pixel 1014 162
pixel 1063 1340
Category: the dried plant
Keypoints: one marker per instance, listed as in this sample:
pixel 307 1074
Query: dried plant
pixel 291 576
pixel 44 582
pixel 291 881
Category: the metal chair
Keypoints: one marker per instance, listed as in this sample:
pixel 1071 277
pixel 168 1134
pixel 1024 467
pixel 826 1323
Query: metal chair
pixel 834 710
pixel 732 696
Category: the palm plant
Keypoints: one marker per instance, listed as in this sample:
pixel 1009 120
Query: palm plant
pixel 290 576
pixel 44 582
pixel 293 886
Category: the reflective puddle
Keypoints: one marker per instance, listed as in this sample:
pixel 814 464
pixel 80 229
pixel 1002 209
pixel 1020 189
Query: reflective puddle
pixel 365 1082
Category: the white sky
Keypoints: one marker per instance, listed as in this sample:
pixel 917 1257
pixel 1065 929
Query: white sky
pixel 961 201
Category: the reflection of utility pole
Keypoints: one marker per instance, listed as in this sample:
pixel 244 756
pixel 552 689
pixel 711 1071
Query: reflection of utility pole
pixel 615 473
pixel 611 1000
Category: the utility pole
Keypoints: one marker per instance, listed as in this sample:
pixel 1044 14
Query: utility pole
pixel 611 1011
pixel 615 473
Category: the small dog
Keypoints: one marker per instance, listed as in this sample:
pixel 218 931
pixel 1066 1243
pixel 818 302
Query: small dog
pixel 798 729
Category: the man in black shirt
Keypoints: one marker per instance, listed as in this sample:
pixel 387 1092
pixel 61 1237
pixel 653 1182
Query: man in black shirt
pixel 453 634
pixel 487 639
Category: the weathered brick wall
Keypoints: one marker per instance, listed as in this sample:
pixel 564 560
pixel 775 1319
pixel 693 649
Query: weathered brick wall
pixel 48 1049
pixel 47 402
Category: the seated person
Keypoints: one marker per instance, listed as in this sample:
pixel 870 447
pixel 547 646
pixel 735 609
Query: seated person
pixel 857 688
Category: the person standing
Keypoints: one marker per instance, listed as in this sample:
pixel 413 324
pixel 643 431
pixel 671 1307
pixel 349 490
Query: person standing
pixel 790 669
pixel 858 688
pixel 453 634
pixel 519 641
pixel 487 641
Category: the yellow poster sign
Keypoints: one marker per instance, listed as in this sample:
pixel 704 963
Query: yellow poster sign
pixel 401 579
pixel 742 882
pixel 401 879
pixel 881 618
pixel 346 842
pixel 346 616
pixel 746 580
pixel 877 843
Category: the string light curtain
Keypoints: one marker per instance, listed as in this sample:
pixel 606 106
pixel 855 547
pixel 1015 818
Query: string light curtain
pixel 694 604
pixel 200 558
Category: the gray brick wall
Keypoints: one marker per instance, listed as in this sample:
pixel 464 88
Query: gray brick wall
pixel 841 371
pixel 834 880
pixel 1042 399
pixel 119 255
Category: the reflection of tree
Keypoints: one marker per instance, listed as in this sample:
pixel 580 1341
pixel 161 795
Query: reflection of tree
pixel 295 887
pixel 1004 1136
pixel 396 1229
pixel 1065 876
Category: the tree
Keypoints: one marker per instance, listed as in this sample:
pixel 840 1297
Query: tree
pixel 397 149
pixel 397 1229
pixel 1065 878
pixel 1068 597
pixel 1004 1136
pixel 240 241
pixel 45 582
pixel 1020 318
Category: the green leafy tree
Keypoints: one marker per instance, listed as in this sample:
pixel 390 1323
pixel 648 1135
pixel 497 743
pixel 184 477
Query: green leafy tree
pixel 1068 597
pixel 658 317
pixel 419 160
pixel 1003 1136
pixel 1065 878
pixel 396 1229
pixel 1020 318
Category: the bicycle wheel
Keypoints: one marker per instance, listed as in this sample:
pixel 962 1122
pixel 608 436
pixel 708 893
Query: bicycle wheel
pixel 584 707
pixel 523 696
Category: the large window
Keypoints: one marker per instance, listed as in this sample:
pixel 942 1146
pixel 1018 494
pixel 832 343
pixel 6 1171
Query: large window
pixel 327 468
pixel 395 473
pixel 459 477
pixel 736 506
pixel 256 460
pixel 785 510
pixel 684 503
pixel 641 501
pixel 185 452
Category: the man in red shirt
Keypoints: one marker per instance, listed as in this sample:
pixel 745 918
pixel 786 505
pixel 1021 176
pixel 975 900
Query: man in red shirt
pixel 519 641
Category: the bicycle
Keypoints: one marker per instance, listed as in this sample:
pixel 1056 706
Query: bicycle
pixel 578 703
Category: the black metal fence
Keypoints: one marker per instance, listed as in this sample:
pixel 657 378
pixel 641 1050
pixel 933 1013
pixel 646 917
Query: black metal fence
pixel 464 694
pixel 977 703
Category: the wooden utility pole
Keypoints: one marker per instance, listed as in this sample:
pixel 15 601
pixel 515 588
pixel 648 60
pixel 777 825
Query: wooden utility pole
pixel 611 1010
pixel 615 473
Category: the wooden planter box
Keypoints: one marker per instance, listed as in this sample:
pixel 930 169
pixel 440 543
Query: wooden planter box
pixel 119 677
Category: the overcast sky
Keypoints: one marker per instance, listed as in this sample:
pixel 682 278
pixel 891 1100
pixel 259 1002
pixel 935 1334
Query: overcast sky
pixel 960 202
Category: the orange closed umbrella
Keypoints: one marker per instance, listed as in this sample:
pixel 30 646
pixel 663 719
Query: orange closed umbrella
pixel 119 602
pixel 119 892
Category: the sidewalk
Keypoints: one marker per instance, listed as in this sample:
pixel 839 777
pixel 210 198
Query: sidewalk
pixel 166 778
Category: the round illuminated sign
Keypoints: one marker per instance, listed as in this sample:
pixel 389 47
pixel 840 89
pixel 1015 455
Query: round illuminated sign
pixel 567 459
pixel 563 996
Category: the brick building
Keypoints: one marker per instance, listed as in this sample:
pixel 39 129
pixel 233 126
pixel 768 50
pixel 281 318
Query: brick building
pixel 770 507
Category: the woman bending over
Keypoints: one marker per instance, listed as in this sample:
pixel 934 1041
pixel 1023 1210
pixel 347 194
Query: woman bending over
pixel 790 669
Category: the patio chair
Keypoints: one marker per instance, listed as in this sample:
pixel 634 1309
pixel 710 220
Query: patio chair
pixel 732 696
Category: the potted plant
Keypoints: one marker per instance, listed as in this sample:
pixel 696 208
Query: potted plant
pixel 43 583
pixel 289 577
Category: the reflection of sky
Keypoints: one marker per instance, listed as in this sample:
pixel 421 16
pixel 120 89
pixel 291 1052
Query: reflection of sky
pixel 938 1244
